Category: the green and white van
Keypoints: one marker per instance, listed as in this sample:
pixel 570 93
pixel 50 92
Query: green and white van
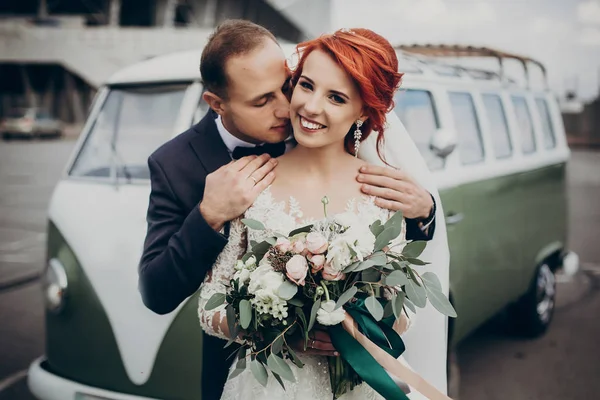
pixel 497 150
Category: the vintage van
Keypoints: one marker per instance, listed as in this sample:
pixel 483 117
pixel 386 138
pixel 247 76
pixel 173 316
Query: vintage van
pixel 497 150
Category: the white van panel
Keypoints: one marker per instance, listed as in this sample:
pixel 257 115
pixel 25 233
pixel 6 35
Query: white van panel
pixel 105 226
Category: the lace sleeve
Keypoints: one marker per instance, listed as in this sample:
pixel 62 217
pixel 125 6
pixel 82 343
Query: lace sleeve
pixel 214 322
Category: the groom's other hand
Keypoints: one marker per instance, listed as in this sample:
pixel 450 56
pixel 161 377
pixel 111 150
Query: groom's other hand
pixel 395 190
pixel 231 189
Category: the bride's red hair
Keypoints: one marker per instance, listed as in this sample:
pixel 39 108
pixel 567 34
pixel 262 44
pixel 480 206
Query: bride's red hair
pixel 371 62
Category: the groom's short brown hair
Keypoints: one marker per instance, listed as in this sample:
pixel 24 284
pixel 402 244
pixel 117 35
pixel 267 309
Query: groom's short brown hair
pixel 231 38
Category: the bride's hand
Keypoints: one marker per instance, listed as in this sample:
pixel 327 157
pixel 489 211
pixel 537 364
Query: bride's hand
pixel 319 344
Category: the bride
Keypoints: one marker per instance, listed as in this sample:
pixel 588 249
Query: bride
pixel 344 85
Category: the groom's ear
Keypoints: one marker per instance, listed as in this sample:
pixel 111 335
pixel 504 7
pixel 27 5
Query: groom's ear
pixel 214 101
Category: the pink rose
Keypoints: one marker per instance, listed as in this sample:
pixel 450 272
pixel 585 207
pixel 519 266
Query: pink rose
pixel 316 243
pixel 317 261
pixel 299 246
pixel 283 245
pixel 331 274
pixel 296 269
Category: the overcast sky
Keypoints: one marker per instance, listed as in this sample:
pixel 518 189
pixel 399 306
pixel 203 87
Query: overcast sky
pixel 563 34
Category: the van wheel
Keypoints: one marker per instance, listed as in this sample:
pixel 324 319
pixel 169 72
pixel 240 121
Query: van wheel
pixel 533 313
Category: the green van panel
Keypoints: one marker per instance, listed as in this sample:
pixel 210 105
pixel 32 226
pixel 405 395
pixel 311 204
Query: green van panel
pixel 80 344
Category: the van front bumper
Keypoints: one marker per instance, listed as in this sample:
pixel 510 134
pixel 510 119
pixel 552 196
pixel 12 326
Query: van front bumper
pixel 45 385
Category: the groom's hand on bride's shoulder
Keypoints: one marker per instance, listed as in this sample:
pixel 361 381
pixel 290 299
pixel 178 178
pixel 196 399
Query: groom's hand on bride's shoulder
pixel 395 190
pixel 319 344
pixel 231 189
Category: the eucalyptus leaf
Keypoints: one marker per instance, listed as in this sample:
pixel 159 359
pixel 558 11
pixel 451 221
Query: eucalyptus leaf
pixel 234 333
pixel 215 301
pixel 303 229
pixel 313 314
pixel 416 261
pixel 230 318
pixel 271 240
pixel 296 302
pixel 377 259
pixel 259 371
pixel 346 297
pixel 400 264
pixel 389 266
pixel 351 267
pixel 396 221
pixel 431 280
pixel 396 278
pixel 352 252
pixel 295 358
pixel 388 309
pixel 374 307
pixel 416 293
pixel 287 290
pixel 376 228
pixel 245 313
pixel 410 305
pixel 398 303
pixel 253 224
pixel 385 237
pixel 277 345
pixel 260 249
pixel 278 379
pixel 240 366
pixel 412 276
pixel 440 302
pixel 414 248
pixel 280 367
pixel 371 275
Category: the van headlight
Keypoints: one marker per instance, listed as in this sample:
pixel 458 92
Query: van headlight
pixel 55 285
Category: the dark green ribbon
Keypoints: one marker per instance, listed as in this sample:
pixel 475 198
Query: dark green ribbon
pixel 383 335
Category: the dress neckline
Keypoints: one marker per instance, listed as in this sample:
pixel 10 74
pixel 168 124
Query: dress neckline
pixel 293 209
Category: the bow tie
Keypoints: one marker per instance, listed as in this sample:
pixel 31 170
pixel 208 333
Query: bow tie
pixel 273 149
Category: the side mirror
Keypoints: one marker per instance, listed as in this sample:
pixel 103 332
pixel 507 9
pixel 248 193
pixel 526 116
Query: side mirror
pixel 443 142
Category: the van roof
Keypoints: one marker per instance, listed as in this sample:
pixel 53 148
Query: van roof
pixel 183 66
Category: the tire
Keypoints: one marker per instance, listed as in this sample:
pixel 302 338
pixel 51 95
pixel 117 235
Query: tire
pixel 533 313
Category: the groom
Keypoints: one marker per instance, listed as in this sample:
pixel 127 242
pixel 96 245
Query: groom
pixel 214 171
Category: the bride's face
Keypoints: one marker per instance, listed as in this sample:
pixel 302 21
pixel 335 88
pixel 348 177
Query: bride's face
pixel 325 103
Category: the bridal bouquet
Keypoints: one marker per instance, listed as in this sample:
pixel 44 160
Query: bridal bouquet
pixel 318 276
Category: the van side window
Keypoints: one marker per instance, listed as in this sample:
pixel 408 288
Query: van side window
pixel 524 125
pixel 416 110
pixel 547 128
pixel 200 111
pixel 133 122
pixel 498 125
pixel 470 144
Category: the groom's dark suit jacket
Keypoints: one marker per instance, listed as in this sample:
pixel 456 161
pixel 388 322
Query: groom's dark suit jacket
pixel 180 247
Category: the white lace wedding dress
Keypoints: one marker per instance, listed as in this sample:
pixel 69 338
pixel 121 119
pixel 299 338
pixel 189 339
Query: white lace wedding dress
pixel 312 381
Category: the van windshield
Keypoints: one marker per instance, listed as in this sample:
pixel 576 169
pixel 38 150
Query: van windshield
pixel 132 123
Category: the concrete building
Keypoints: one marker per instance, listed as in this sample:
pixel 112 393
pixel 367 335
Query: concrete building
pixel 55 53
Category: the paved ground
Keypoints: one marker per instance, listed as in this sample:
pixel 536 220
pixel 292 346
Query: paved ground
pixel 562 365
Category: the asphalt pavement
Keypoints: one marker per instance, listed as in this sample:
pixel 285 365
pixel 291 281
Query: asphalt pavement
pixel 564 364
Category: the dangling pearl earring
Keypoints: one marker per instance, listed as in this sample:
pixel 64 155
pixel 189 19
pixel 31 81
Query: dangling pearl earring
pixel 357 136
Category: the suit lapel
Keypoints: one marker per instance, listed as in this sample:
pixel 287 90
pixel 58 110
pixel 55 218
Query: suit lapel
pixel 208 145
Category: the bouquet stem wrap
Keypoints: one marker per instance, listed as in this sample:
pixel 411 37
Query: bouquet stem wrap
pixel 372 348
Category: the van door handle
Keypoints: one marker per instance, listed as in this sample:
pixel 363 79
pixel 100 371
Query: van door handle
pixel 452 218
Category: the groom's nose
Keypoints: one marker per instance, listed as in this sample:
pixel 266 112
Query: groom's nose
pixel 282 109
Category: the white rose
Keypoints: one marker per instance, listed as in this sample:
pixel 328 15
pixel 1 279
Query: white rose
pixel 361 240
pixel 250 262
pixel 339 255
pixel 326 315
pixel 242 275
